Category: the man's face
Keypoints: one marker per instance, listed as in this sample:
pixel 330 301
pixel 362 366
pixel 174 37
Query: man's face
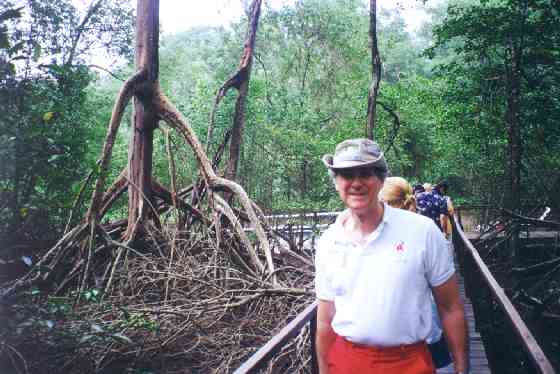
pixel 358 188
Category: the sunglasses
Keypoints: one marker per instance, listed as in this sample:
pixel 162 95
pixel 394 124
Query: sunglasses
pixel 357 173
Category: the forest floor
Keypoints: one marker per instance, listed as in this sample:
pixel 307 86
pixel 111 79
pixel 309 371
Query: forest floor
pixel 173 308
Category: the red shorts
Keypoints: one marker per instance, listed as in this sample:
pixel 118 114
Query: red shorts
pixel 349 358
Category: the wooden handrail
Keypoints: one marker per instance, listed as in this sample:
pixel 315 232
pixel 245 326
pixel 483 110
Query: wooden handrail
pixel 273 346
pixel 303 215
pixel 529 343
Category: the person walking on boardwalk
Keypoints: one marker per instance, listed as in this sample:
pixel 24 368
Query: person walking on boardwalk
pixel 442 189
pixel 432 204
pixel 375 268
pixel 398 193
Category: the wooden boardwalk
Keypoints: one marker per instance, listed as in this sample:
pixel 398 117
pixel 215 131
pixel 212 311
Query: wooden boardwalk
pixel 478 359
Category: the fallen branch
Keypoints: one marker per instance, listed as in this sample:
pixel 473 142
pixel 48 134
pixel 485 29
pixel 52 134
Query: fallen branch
pixel 537 222
pixel 537 268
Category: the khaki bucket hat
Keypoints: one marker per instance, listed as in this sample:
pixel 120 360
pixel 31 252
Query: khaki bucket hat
pixel 356 153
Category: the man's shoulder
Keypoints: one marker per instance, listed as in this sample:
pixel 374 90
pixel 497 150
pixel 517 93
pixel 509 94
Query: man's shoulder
pixel 334 228
pixel 442 201
pixel 422 195
pixel 330 231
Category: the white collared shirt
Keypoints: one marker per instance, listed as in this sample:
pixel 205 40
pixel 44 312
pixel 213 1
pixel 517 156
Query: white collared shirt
pixel 381 290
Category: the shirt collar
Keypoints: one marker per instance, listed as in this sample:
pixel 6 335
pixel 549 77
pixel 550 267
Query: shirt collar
pixel 388 213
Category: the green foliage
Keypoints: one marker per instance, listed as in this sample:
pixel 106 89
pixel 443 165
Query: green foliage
pixel 308 91
pixel 484 37
pixel 45 121
pixel 42 148
pixel 93 295
pixel 136 321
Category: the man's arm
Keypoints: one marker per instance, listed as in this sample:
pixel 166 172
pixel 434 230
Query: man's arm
pixel 325 334
pixel 452 315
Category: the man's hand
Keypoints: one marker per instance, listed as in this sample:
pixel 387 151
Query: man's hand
pixel 452 315
pixel 325 334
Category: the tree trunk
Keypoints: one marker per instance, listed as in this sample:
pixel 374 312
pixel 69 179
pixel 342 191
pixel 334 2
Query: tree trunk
pixel 237 130
pixel 376 70
pixel 140 196
pixel 243 75
pixel 513 124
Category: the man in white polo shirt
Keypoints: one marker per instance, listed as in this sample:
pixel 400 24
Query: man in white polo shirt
pixel 375 268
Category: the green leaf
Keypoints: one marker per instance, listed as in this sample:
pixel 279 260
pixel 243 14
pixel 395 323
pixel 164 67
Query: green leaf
pixel 97 328
pixel 42 268
pixel 10 13
pixel 16 48
pixel 36 52
pixel 53 158
pixel 23 212
pixel 48 116
pixel 122 338
pixel 4 42
pixel 86 338
pixel 11 68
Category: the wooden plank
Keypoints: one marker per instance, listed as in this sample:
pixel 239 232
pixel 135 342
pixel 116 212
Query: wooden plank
pixel 478 360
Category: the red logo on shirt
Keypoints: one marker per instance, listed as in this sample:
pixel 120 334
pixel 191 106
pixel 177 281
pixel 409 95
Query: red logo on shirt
pixel 400 247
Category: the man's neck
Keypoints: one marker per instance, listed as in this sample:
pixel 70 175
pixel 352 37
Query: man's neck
pixel 364 222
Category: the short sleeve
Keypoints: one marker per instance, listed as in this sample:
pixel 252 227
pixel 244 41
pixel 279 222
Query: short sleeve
pixel 438 261
pixel 323 285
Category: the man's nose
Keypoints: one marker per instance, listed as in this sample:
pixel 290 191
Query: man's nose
pixel 356 181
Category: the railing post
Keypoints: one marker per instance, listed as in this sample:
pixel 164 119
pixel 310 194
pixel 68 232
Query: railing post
pixel 459 218
pixel 301 220
pixel 514 249
pixel 313 337
pixel 315 226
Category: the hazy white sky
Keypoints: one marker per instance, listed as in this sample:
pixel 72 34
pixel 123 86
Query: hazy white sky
pixel 179 15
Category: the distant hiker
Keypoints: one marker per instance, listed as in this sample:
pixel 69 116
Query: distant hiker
pixel 398 193
pixel 375 268
pixel 432 205
pixel 417 189
pixel 443 188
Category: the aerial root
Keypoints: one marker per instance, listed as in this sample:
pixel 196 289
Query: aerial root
pixel 175 119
